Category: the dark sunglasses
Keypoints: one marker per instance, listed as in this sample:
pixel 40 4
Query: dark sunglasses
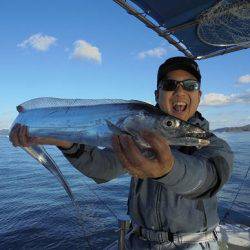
pixel 171 85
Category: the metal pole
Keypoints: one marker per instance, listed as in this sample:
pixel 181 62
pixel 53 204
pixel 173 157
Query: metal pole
pixel 163 33
pixel 123 223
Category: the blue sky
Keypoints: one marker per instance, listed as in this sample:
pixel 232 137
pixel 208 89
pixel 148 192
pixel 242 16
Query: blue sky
pixel 94 49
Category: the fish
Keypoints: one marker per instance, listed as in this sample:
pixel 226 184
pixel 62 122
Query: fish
pixel 94 122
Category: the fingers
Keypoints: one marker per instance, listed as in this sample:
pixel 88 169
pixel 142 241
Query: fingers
pixel 119 148
pixel 131 151
pixel 13 137
pixel 23 136
pixel 19 136
pixel 159 145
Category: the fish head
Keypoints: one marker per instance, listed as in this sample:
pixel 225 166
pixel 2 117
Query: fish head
pixel 179 132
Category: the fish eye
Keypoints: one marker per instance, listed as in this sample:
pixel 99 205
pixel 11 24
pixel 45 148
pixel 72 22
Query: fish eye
pixel 169 123
pixel 172 123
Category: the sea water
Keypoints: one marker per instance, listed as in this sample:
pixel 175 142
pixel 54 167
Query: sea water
pixel 35 212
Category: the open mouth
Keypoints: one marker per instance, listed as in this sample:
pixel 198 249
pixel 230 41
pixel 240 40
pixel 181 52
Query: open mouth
pixel 179 106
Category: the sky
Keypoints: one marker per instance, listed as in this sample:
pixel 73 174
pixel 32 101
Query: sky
pixel 93 50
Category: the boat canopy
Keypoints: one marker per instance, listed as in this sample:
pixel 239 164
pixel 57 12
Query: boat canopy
pixel 181 23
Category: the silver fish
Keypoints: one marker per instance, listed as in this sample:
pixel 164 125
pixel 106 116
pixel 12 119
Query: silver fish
pixel 94 122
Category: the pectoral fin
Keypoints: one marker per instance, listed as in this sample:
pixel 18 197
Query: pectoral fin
pixel 115 130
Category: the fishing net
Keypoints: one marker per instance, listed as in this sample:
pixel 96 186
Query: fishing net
pixel 227 23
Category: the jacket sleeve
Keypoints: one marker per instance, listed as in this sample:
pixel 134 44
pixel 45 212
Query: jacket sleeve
pixel 202 174
pixel 99 164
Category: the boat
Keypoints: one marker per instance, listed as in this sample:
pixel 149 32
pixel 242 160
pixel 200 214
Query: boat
pixel 200 29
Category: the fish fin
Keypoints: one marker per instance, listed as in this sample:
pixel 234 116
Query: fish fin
pixel 116 130
pixel 47 102
pixel 113 128
pixel 41 155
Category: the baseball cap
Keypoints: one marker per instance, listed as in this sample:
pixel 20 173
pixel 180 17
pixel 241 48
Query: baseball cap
pixel 178 62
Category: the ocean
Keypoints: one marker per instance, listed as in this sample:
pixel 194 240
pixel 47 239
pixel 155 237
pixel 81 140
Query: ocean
pixel 36 213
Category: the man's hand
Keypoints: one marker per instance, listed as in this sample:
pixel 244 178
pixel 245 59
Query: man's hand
pixel 19 136
pixel 138 165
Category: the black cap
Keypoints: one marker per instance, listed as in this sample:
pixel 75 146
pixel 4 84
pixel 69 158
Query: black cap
pixel 178 62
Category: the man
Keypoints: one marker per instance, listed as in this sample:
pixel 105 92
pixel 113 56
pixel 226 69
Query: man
pixel 172 201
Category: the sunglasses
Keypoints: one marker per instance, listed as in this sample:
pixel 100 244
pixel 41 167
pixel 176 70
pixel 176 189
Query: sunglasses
pixel 171 85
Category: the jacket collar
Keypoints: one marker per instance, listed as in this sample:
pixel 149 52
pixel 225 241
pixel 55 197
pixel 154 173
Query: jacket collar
pixel 198 120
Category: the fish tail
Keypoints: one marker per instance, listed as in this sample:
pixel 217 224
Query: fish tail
pixel 41 155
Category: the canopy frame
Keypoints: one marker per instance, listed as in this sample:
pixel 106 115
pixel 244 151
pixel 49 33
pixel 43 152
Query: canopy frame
pixel 168 34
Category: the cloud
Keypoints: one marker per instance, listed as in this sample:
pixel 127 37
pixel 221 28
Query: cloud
pixel 241 98
pixel 156 52
pixel 243 80
pixel 216 99
pixel 38 42
pixel 84 50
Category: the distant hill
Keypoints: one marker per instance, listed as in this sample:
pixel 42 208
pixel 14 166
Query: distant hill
pixel 233 129
pixel 4 131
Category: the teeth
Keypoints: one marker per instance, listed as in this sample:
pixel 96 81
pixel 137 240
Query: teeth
pixel 179 106
pixel 180 103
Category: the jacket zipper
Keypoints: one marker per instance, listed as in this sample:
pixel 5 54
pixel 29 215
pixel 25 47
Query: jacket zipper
pixel 157 206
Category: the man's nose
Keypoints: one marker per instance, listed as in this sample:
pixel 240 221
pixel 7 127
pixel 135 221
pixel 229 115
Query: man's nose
pixel 179 88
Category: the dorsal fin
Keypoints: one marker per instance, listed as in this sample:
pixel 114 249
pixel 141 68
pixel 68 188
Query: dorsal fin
pixel 47 102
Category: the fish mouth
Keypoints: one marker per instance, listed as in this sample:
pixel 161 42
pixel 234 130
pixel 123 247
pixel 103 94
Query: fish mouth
pixel 204 135
pixel 199 139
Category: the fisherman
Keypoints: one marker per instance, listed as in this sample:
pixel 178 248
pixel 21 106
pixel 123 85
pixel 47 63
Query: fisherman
pixel 172 201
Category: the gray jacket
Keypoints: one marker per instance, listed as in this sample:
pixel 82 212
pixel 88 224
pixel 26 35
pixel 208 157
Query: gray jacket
pixel 183 201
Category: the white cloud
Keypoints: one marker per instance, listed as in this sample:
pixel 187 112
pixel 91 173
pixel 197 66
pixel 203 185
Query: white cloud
pixel 84 50
pixel 38 42
pixel 243 80
pixel 156 52
pixel 216 99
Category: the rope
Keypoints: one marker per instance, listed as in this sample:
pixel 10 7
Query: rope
pixel 103 202
pixel 236 196
pixel 87 237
